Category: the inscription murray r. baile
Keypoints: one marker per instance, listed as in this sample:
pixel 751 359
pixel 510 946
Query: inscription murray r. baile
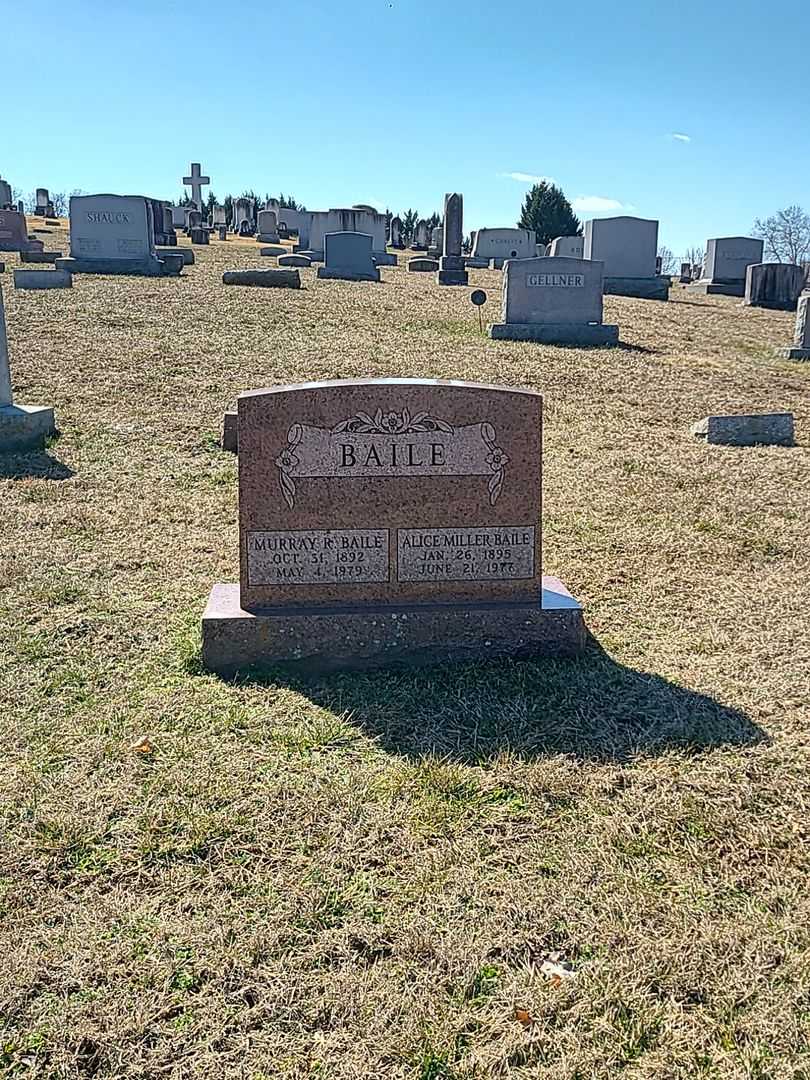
pixel 313 556
pixel 391 444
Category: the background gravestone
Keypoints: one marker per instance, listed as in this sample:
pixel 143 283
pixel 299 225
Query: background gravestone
pixel 348 256
pixel 388 521
pixel 627 246
pixel 773 285
pixel 452 269
pixel 725 265
pixel 572 247
pixel 267 227
pixel 14 233
pixel 502 244
pixel 114 234
pixel 22 427
pixel 553 299
pixel 800 350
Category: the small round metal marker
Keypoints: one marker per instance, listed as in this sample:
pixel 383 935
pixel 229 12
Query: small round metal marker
pixel 479 298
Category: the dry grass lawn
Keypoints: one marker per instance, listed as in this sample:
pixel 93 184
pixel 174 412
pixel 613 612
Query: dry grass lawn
pixel 361 876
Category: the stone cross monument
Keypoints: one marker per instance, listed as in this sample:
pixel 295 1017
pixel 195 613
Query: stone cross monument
pixel 195 182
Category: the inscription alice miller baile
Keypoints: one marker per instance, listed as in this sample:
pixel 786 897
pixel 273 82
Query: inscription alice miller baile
pixel 392 444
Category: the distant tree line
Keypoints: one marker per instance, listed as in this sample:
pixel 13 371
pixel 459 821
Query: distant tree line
pixel 410 218
pixel 285 201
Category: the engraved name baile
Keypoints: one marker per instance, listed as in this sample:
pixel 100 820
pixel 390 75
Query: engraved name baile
pixel 391 444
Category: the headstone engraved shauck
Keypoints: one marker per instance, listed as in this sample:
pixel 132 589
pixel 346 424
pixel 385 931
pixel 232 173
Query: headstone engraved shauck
pixel 392 521
pixel 22 427
pixel 452 269
pixel 553 299
pixel 800 350
pixel 115 234
pixel 724 268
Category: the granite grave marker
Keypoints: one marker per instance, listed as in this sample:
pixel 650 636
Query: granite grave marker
pixel 388 521
pixel 554 299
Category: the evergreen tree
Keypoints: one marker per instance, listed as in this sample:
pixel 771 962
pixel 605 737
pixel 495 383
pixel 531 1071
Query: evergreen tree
pixel 547 211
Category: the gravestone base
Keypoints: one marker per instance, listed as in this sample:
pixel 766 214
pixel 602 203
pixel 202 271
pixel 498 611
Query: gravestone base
pixel 274 249
pixel 185 253
pixel 452 271
pixel 268 237
pixel 345 274
pixel 385 258
pixel 452 277
pixel 40 256
pixel 556 333
pixel 474 262
pixel 717 288
pixel 793 353
pixel 167 266
pixel 654 288
pixel 387 635
pixel 198 235
pixel 25 427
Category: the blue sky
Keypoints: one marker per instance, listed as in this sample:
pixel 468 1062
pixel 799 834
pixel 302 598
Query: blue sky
pixel 695 114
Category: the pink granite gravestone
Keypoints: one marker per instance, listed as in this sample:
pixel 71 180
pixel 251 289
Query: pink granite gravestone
pixel 391 521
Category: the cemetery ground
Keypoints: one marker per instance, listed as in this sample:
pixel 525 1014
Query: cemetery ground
pixel 362 875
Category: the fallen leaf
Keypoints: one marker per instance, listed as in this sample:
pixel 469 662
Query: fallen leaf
pixel 524 1017
pixel 556 971
pixel 142 745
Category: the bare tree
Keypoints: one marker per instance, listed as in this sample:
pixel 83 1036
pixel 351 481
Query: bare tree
pixel 786 235
pixel 668 262
pixel 694 256
pixel 60 203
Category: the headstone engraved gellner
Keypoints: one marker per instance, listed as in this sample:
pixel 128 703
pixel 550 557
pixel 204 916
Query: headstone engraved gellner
pixel 392 521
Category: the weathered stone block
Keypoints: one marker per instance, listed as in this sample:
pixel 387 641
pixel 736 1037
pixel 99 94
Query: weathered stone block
pixel 42 279
pixel 25 427
pixel 266 279
pixel 768 429
pixel 773 285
